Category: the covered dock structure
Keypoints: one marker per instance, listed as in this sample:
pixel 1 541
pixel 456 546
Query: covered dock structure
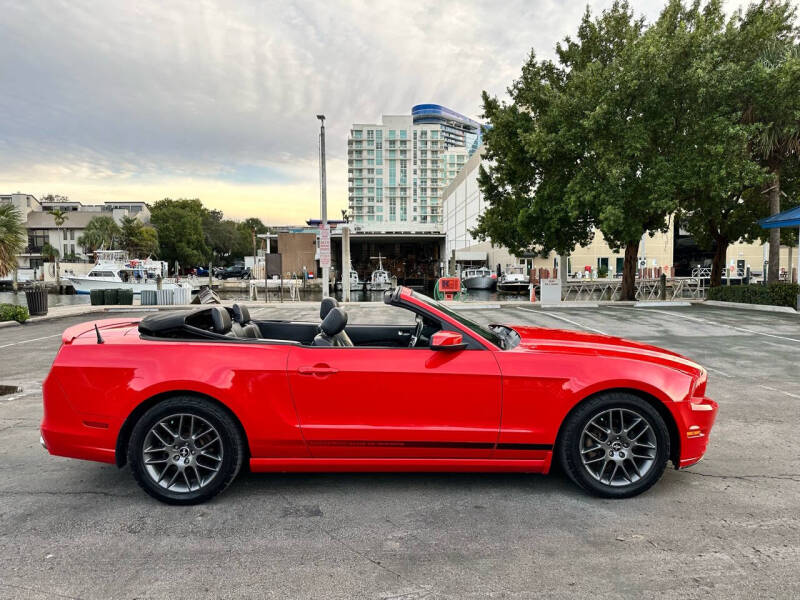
pixel 788 218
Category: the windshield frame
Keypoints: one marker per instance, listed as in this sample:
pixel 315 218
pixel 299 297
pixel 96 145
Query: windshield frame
pixel 483 333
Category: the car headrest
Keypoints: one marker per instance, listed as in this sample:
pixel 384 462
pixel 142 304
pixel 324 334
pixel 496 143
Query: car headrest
pixel 326 305
pixel 241 314
pixel 220 319
pixel 334 322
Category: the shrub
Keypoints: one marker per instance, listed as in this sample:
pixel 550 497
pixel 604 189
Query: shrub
pixel 12 312
pixel 775 294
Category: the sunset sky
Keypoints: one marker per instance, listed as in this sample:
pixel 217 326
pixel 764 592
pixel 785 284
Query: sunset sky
pixel 217 100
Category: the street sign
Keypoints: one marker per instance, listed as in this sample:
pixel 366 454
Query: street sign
pixel 324 247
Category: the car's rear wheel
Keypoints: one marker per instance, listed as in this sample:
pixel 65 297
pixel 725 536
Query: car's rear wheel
pixel 185 450
pixel 615 445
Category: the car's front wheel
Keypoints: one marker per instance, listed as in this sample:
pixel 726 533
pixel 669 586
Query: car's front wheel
pixel 615 445
pixel 185 450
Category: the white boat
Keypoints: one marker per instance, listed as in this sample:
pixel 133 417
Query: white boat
pixel 380 280
pixel 356 285
pixel 514 280
pixel 478 278
pixel 113 270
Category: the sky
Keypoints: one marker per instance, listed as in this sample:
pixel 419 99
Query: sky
pixel 218 100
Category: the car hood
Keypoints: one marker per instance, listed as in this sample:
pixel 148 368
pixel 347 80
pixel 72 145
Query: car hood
pixel 582 342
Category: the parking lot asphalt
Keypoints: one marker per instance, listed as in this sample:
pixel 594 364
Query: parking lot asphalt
pixel 727 527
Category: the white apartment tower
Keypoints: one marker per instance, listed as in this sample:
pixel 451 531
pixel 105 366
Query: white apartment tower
pixel 398 169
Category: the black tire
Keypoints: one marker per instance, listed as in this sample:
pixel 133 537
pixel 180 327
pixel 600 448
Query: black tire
pixel 573 440
pixel 230 444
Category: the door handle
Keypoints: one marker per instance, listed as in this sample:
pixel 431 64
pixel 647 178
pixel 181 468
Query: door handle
pixel 317 370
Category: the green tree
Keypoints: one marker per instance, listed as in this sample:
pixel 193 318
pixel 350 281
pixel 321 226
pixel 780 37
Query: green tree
pixel 13 237
pixel 581 145
pixel 59 218
pixel 221 235
pixel 774 104
pixel 719 196
pixel 100 232
pixel 50 252
pixel 137 239
pixel 755 50
pixel 254 223
pixel 180 231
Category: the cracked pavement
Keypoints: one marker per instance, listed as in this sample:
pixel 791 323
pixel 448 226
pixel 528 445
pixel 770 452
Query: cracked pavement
pixel 728 527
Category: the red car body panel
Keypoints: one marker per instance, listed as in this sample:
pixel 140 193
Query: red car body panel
pixel 397 403
pixel 306 408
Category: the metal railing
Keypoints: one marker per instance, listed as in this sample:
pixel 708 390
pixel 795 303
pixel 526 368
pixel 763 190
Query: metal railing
pixel 706 272
pixel 598 290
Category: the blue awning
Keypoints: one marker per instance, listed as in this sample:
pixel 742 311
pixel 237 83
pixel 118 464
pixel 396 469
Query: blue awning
pixel 787 218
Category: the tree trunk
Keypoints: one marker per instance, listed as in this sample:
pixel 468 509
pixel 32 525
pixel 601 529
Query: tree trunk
pixel 629 271
pixel 774 234
pixel 718 265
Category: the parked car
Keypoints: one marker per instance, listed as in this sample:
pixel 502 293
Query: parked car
pixel 186 398
pixel 235 272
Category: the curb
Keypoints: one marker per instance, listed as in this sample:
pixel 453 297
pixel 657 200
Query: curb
pixel 659 303
pixel 756 307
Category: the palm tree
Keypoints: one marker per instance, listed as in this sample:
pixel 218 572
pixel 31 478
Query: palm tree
pixel 778 140
pixel 59 218
pixel 100 232
pixel 13 237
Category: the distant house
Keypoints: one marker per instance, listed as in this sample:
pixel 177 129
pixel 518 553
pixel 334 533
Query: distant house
pixel 42 228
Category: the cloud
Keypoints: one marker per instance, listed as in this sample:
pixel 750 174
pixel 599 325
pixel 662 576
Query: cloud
pixel 218 99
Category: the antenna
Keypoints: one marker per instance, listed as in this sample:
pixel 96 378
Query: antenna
pixel 379 258
pixel 99 338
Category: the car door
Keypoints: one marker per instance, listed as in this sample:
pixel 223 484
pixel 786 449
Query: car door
pixel 396 402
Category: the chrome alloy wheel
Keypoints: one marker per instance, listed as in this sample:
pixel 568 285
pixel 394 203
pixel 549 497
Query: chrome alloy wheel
pixel 618 447
pixel 182 453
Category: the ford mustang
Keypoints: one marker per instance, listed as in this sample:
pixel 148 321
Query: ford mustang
pixel 189 398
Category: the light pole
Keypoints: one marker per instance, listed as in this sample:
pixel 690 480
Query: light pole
pixel 324 260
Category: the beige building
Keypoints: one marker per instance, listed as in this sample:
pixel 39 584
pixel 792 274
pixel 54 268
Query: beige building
pixel 462 204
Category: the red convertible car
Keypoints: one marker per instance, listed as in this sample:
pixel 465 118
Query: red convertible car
pixel 187 398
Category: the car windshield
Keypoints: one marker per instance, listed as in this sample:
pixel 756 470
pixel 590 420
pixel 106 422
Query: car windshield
pixel 480 330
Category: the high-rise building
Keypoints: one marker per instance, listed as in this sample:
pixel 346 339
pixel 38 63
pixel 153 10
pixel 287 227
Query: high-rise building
pixel 398 169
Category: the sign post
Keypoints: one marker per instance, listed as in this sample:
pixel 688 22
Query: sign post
pixel 326 266
pixel 324 249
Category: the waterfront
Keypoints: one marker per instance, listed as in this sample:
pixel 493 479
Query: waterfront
pixel 308 294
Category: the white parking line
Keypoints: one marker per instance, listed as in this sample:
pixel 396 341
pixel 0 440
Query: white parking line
pixel 714 324
pixel 717 371
pixel 47 337
pixel 785 393
pixel 582 326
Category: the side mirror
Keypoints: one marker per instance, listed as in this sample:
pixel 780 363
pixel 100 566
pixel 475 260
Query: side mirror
pixel 447 340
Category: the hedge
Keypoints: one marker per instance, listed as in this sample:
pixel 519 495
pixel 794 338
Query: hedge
pixel 12 312
pixel 774 294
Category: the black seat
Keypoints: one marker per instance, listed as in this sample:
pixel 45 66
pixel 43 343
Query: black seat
pixel 221 321
pixel 332 331
pixel 242 325
pixel 325 307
